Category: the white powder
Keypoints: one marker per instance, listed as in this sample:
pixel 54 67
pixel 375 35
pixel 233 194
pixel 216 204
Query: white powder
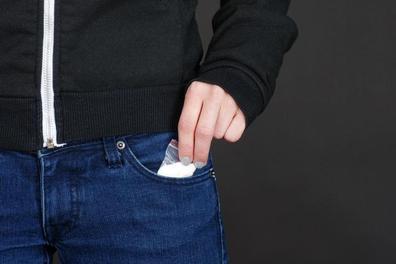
pixel 171 165
pixel 177 170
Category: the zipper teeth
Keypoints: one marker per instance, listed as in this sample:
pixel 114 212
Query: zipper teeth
pixel 46 89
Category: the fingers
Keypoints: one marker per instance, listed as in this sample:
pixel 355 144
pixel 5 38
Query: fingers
pixel 208 112
pixel 227 112
pixel 187 123
pixel 236 128
pixel 206 126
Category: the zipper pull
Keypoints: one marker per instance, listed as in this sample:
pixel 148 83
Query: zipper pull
pixel 50 143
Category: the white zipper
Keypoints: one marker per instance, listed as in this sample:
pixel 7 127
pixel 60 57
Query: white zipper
pixel 47 88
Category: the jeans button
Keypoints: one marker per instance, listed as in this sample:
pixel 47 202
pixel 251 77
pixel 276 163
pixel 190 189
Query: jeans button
pixel 120 144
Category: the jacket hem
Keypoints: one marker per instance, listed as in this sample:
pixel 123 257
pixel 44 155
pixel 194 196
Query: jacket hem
pixel 92 115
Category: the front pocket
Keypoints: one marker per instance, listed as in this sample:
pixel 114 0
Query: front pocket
pixel 146 151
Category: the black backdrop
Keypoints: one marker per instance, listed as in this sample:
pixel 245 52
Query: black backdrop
pixel 313 179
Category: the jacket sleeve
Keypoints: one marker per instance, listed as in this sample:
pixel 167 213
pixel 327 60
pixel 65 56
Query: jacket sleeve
pixel 246 51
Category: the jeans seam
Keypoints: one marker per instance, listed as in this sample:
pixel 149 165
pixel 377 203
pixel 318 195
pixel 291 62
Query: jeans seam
pixel 42 196
pixel 219 221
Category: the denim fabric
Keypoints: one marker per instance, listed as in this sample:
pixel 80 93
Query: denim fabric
pixel 97 203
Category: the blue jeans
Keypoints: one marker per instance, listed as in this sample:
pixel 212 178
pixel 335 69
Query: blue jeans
pixel 98 202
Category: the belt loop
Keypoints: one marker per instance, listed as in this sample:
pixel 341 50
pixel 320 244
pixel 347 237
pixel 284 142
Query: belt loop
pixel 112 155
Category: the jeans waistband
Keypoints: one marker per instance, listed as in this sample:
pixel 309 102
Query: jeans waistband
pixel 108 144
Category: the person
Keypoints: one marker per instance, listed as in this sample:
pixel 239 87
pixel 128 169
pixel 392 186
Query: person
pixel 91 94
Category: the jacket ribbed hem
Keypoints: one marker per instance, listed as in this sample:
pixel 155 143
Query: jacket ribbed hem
pixel 18 123
pixel 91 115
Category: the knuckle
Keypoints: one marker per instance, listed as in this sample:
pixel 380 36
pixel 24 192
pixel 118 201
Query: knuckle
pixel 218 135
pixel 216 96
pixel 185 126
pixel 231 102
pixel 231 138
pixel 196 83
pixel 192 90
pixel 203 132
pixel 218 91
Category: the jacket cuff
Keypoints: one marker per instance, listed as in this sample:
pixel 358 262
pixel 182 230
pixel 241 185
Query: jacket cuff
pixel 241 87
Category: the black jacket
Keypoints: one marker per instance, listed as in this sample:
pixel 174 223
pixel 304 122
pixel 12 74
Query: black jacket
pixel 72 69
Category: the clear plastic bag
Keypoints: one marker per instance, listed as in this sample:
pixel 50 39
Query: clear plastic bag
pixel 171 166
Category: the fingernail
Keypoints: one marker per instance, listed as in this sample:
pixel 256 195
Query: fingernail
pixel 199 164
pixel 185 161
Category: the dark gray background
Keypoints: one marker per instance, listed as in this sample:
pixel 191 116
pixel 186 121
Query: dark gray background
pixel 313 179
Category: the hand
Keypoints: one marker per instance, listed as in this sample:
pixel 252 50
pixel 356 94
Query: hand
pixel 208 111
